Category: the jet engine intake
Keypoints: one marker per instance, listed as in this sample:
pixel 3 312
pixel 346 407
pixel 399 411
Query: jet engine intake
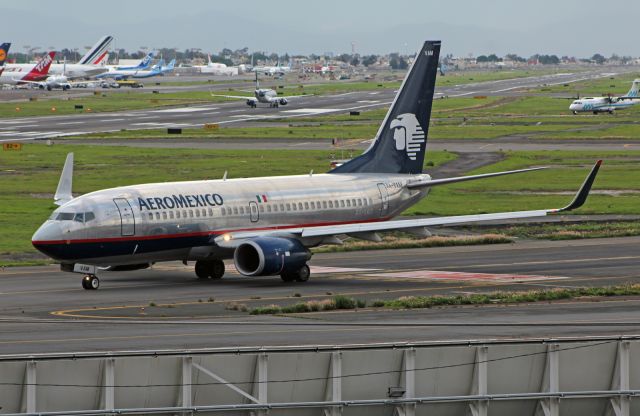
pixel 266 256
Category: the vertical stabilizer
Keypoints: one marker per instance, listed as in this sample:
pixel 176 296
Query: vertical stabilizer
pixel 400 144
pixel 97 51
pixel 635 86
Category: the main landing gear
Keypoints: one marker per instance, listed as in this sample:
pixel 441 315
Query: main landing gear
pixel 300 275
pixel 209 269
pixel 90 282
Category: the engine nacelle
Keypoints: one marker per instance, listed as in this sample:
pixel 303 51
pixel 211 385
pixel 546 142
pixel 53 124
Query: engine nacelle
pixel 283 101
pixel 266 256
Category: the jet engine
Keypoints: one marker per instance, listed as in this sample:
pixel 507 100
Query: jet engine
pixel 283 101
pixel 266 256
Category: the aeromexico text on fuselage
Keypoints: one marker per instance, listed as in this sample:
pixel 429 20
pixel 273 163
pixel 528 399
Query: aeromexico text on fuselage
pixel 180 201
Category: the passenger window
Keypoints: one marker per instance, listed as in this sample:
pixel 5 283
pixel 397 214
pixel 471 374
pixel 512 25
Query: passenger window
pixel 164 215
pixel 330 204
pixel 306 205
pixel 150 215
pixel 275 207
pixel 294 207
pixel 170 214
pixel 342 203
pixel 157 216
pixel 288 207
pixel 337 204
pixel 348 203
pixel 300 206
pixel 211 212
pixel 261 208
pixel 359 202
pixel 324 204
pixel 235 210
pixel 268 208
pixel 223 211
pixel 313 205
pixel 204 212
pixel 191 213
pixel 241 210
pixel 281 207
pixel 353 202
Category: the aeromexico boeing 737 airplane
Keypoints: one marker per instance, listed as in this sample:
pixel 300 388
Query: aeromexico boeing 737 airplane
pixel 266 225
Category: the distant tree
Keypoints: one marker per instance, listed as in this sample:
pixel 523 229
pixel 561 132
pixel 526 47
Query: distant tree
pixel 369 60
pixel 345 57
pixel 546 59
pixel 355 61
pixel 482 59
pixel 599 59
pixel 494 58
pixel 398 62
pixel 515 58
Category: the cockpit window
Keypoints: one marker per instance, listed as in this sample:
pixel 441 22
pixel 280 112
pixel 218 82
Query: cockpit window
pixel 72 216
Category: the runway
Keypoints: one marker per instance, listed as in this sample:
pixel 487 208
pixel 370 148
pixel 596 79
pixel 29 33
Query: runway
pixel 44 310
pixel 237 113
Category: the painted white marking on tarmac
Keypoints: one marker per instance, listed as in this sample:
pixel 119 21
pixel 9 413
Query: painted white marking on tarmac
pixel 68 123
pixel 311 110
pixel 461 95
pixel 368 101
pixel 184 110
pixel 463 276
pixel 113 119
pixel 147 117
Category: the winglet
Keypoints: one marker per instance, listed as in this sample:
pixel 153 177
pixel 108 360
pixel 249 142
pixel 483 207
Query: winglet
pixel 584 190
pixel 63 193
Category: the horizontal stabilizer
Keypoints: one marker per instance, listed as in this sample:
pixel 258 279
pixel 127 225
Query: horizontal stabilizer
pixel 434 182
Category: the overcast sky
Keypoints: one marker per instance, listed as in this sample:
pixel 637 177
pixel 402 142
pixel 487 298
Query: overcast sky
pixel 563 27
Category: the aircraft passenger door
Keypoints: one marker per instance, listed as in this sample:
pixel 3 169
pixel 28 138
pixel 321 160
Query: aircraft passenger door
pixel 384 197
pixel 254 215
pixel 127 220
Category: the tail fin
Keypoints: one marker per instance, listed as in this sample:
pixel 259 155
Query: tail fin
pixel 400 144
pixel 41 70
pixel 209 59
pixel 146 61
pixel 633 92
pixel 102 61
pixel 97 51
pixel 4 52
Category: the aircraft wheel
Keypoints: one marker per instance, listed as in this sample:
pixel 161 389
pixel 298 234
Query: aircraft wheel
pixel 575 113
pixel 90 282
pixel 303 274
pixel 202 271
pixel 287 277
pixel 216 269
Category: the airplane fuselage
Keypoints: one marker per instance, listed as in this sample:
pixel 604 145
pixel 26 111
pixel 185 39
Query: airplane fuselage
pixel 179 220
pixel 601 105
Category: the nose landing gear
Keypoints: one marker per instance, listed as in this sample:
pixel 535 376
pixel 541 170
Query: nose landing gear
pixel 90 282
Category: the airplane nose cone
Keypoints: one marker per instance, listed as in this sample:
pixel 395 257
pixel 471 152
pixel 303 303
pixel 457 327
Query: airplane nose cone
pixel 47 238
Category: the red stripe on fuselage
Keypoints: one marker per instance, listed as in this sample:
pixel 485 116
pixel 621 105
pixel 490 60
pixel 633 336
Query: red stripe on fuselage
pixel 201 233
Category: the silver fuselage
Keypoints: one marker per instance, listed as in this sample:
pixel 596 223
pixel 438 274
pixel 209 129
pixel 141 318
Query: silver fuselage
pixel 179 220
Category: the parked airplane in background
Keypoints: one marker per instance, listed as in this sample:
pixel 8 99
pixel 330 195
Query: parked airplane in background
pixel 90 64
pixel 216 68
pixel 266 225
pixel 273 70
pixel 23 74
pixel 607 104
pixel 4 52
pixel 123 74
pixel 262 95
pixel 144 63
pixel 164 69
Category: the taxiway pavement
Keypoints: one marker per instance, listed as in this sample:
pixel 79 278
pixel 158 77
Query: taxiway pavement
pixel 44 310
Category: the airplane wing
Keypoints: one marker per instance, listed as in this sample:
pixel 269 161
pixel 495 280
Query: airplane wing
pixel 237 97
pixel 233 239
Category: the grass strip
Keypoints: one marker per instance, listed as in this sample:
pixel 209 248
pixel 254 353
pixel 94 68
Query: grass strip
pixel 425 302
